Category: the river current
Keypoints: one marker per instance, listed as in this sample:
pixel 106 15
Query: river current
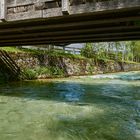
pixel 101 107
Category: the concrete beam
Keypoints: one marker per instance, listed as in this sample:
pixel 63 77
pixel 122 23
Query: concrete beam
pixel 43 42
pixel 73 37
pixel 89 31
pixel 3 10
pixel 68 25
pixel 65 6
pixel 43 22
pixel 21 10
pixel 25 16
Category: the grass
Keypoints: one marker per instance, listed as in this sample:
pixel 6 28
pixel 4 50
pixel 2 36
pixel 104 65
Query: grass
pixel 53 53
pixel 11 49
pixel 130 62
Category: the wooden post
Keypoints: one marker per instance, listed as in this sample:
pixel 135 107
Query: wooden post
pixel 65 6
pixel 3 10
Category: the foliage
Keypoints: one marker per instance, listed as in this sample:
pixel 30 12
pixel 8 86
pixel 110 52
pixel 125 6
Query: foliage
pixel 2 79
pixel 11 49
pixel 56 71
pixel 118 51
pixel 42 71
pixel 57 53
pixel 87 51
pixel 49 71
pixel 31 74
pixel 136 51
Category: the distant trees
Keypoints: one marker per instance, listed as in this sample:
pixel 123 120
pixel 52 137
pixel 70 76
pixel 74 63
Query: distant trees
pixel 136 51
pixel 124 51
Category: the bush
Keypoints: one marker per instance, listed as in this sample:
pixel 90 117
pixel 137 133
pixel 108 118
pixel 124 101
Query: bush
pixel 88 51
pixel 42 71
pixel 30 74
pixel 56 71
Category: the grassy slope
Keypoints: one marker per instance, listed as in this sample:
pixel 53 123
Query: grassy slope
pixel 51 53
pixel 11 49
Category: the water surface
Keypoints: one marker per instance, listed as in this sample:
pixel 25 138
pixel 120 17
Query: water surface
pixel 102 107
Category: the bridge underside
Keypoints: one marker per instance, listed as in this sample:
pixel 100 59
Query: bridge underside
pixel 116 24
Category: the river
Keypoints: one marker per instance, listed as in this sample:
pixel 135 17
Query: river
pixel 101 107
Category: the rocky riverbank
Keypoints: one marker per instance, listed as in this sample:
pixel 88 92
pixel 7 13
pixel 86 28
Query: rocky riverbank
pixel 46 66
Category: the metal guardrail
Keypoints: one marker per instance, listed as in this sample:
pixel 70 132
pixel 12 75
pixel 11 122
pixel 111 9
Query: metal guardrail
pixel 72 50
pixel 67 49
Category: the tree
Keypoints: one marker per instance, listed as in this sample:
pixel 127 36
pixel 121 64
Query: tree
pixel 87 51
pixel 121 51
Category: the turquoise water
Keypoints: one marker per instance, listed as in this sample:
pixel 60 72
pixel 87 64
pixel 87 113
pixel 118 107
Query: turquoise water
pixel 102 107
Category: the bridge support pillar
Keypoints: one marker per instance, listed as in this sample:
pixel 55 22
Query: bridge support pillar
pixel 3 10
pixel 65 6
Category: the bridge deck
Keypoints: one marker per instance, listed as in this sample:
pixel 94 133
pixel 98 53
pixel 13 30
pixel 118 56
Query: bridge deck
pixel 68 21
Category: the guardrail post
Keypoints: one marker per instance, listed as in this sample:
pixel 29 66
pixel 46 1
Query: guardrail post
pixel 3 10
pixel 65 6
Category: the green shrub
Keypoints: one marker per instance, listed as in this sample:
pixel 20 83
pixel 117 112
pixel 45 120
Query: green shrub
pixel 56 71
pixel 42 71
pixel 30 74
pixel 88 51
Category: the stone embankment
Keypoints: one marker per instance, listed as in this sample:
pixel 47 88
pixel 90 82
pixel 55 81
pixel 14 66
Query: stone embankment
pixel 71 66
pixel 41 66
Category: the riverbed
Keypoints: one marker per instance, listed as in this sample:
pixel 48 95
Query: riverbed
pixel 101 107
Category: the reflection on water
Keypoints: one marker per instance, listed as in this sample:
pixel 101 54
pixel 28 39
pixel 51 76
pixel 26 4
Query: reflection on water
pixel 71 109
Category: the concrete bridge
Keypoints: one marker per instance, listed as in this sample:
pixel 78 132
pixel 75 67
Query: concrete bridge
pixel 33 22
